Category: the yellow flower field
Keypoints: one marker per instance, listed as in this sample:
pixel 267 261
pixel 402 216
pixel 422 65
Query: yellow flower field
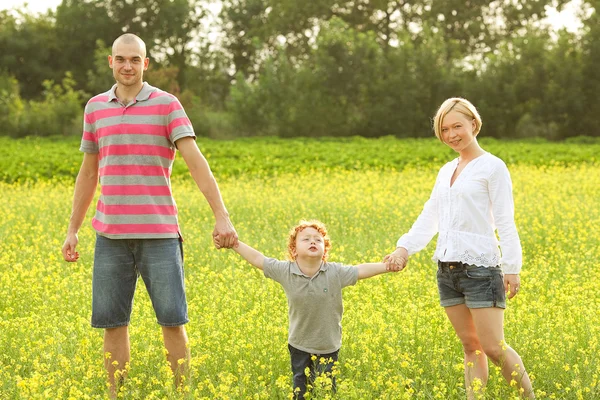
pixel 398 343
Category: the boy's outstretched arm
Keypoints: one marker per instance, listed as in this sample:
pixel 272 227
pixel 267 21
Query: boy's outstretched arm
pixel 251 255
pixel 371 269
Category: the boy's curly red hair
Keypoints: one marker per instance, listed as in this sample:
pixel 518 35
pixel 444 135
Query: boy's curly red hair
pixel 313 223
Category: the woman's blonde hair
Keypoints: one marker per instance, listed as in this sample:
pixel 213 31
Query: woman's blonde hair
pixel 313 223
pixel 460 105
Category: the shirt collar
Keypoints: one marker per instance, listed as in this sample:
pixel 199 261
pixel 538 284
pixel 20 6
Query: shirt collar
pixel 144 94
pixel 295 269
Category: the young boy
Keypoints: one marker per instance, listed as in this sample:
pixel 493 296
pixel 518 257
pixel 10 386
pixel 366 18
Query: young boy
pixel 313 288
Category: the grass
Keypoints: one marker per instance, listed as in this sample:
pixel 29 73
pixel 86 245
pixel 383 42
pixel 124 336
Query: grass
pixel 397 342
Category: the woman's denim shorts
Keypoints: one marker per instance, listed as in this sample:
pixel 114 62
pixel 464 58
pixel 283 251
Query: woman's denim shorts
pixel 117 264
pixel 477 287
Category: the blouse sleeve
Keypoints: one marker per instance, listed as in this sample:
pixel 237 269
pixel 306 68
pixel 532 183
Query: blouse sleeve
pixel 503 211
pixel 425 227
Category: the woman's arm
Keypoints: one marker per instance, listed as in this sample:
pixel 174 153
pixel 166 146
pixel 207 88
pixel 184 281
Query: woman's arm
pixel 424 228
pixel 419 235
pixel 503 211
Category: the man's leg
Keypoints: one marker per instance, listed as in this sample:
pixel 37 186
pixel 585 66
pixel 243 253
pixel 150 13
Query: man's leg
pixel 116 356
pixel 160 262
pixel 178 351
pixel 113 285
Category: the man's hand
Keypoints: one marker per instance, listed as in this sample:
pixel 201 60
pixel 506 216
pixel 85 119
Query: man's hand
pixel 68 249
pixel 397 260
pixel 512 283
pixel 224 234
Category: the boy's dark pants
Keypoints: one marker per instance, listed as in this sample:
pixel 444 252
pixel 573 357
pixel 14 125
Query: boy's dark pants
pixel 301 360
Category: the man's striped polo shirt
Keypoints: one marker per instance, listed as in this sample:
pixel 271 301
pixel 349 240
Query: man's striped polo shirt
pixel 135 144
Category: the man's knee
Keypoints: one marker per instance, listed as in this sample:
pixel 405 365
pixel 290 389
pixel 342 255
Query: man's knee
pixel 175 333
pixel 116 333
pixel 174 330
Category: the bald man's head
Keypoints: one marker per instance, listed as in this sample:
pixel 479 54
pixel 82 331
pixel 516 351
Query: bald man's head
pixel 128 39
pixel 128 61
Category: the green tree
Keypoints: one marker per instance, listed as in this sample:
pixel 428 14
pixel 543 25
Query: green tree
pixel 562 108
pixel 30 50
pixel 11 104
pixel 256 27
pixel 167 27
pixel 100 78
pixel 590 78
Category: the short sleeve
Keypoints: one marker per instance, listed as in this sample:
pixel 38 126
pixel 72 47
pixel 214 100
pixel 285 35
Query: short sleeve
pixel 89 140
pixel 275 269
pixel 348 274
pixel 178 123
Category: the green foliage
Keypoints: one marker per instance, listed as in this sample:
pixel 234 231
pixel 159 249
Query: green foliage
pixel 100 78
pixel 589 118
pixel 363 70
pixel 319 68
pixel 11 104
pixel 348 85
pixel 30 51
pixel 59 113
pixel 57 158
pixel 164 78
pixel 209 123
pixel 255 27
pixel 165 25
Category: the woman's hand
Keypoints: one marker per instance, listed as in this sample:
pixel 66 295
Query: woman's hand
pixel 512 283
pixel 397 260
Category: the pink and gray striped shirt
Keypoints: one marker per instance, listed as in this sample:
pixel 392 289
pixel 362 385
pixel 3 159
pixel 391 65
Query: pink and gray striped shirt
pixel 135 144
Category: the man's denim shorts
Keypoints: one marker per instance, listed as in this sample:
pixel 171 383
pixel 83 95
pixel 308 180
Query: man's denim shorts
pixel 477 287
pixel 117 264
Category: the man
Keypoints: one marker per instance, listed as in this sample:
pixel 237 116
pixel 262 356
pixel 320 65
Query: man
pixel 129 140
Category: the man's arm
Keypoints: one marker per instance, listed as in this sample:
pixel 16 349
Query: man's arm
pixel 251 255
pixel 369 270
pixel 85 189
pixel 224 233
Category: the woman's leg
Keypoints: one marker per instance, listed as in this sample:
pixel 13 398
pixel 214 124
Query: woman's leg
pixel 476 366
pixel 489 324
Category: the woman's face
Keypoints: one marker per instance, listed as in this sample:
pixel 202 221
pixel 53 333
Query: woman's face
pixel 457 131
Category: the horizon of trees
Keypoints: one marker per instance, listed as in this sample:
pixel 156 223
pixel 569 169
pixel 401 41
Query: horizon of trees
pixel 321 68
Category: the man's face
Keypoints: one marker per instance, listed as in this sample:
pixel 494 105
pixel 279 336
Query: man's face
pixel 128 63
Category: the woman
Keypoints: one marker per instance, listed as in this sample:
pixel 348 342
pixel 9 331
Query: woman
pixel 472 197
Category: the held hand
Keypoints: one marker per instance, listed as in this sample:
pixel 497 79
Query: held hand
pixel 224 234
pixel 512 283
pixel 68 248
pixel 397 260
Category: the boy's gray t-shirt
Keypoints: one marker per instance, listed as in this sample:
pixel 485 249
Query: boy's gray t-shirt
pixel 314 303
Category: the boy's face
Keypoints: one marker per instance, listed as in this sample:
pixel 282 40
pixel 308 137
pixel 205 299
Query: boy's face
pixel 310 243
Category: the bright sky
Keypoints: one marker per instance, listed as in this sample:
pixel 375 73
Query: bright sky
pixel 566 18
pixel 34 5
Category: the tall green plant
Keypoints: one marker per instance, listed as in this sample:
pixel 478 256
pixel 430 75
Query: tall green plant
pixel 59 113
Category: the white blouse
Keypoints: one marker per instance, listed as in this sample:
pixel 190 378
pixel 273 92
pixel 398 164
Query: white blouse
pixel 466 216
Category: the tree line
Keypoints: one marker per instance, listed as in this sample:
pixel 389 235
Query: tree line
pixel 318 68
